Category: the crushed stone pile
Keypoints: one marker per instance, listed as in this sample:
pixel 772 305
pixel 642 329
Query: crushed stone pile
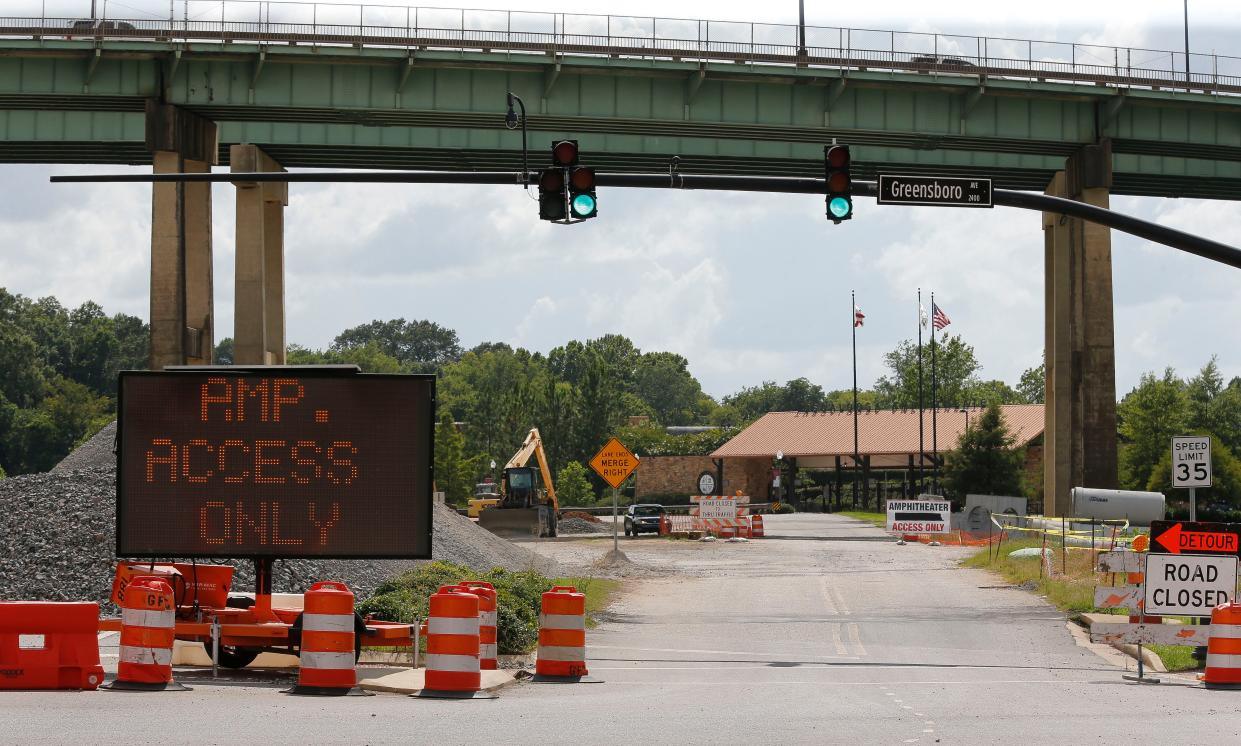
pixel 59 538
pixel 579 526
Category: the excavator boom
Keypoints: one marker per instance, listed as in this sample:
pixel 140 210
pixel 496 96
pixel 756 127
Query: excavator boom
pixel 510 519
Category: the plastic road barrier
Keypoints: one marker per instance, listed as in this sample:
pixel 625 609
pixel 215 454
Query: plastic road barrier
pixel 148 628
pixel 1223 670
pixel 327 648
pixel 46 645
pixel 562 634
pixel 756 527
pixel 488 649
pixel 453 642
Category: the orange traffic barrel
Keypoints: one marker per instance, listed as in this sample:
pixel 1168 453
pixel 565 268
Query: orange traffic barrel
pixel 148 630
pixel 328 642
pixel 562 636
pixel 756 527
pixel 453 666
pixel 49 645
pixel 488 647
pixel 1223 669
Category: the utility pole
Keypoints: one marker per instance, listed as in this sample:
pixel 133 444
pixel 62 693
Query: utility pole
pixel 92 10
pixel 801 28
pixel 1186 5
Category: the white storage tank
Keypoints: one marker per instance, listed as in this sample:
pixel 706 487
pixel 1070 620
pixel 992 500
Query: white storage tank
pixel 1140 508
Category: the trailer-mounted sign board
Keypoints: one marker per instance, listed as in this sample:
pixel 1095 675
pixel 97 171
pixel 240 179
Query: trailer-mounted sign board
pixel 277 462
pixel 919 516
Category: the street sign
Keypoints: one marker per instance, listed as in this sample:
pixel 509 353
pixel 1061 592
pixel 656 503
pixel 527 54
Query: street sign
pixel 1188 584
pixel 717 508
pixel 706 483
pixel 919 516
pixel 1174 537
pixel 1191 461
pixel 614 463
pixel 948 191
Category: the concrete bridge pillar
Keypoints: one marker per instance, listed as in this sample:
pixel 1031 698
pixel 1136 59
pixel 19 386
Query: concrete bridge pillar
pixel 182 311
pixel 1080 427
pixel 258 319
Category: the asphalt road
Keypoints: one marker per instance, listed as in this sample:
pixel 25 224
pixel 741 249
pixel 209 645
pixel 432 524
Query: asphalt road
pixel 826 632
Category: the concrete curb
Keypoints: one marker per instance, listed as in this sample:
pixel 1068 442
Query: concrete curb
pixel 414 680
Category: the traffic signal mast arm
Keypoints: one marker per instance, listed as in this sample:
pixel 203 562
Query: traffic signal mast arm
pixel 1197 245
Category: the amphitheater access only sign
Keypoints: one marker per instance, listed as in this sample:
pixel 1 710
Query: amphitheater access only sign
pixel 919 516
pixel 292 462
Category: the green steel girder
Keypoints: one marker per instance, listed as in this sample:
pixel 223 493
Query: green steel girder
pixel 397 108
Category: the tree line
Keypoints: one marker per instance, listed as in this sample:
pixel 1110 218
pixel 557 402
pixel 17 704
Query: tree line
pixel 60 366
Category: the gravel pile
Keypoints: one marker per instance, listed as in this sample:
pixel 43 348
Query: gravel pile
pixel 59 532
pixel 578 526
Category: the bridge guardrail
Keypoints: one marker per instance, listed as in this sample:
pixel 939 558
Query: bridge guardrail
pixel 417 28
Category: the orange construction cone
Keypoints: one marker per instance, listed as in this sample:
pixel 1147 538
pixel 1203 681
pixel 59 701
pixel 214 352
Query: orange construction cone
pixel 328 645
pixel 453 666
pixel 756 527
pixel 488 648
pixel 562 638
pixel 1224 648
pixel 148 630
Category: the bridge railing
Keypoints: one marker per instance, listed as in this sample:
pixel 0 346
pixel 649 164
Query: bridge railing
pixel 522 32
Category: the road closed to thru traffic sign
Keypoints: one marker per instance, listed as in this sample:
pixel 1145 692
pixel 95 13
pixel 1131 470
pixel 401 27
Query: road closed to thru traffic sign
pixel 919 516
pixel 1187 584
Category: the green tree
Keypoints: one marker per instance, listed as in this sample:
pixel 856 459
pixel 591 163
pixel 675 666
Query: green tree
pixel 991 392
pixel 1033 384
pixel 420 345
pixel 572 487
pixel 985 462
pixel 797 395
pixel 1149 415
pixel 956 371
pixel 454 473
pixel 224 351
pixel 663 382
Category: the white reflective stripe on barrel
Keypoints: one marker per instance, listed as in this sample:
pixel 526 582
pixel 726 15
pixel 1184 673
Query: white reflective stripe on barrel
pixel 333 661
pixel 327 622
pixel 562 621
pixel 553 653
pixel 1231 631
pixel 445 662
pixel 150 656
pixel 488 650
pixel 452 625
pixel 487 618
pixel 1222 660
pixel 148 618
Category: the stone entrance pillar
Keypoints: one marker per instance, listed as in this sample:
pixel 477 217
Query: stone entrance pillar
pixel 258 320
pixel 182 311
pixel 1080 415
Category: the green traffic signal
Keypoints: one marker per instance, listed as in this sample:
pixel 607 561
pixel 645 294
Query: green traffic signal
pixel 583 206
pixel 840 207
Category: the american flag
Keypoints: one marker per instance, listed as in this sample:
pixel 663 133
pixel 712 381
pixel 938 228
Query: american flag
pixel 858 316
pixel 939 319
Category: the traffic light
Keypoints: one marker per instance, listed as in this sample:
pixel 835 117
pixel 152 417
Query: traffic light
pixel 567 190
pixel 839 183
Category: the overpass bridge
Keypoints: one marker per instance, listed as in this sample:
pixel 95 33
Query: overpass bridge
pixel 264 86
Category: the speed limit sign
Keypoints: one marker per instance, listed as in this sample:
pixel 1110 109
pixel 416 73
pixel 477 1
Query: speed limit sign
pixel 1191 461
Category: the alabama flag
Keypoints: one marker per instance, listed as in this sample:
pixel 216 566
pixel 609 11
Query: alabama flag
pixel 858 316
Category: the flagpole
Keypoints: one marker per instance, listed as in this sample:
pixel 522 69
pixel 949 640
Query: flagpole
pixel 853 321
pixel 934 407
pixel 921 442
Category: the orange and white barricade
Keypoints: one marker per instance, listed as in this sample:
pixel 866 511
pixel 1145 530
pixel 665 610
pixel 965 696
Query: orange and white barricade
pixel 49 645
pixel 328 644
pixel 453 667
pixel 148 630
pixel 1223 670
pixel 488 647
pixel 756 527
pixel 562 636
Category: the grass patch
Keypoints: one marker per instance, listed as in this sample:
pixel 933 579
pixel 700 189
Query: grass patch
pixel 598 594
pixel 875 519
pixel 1070 590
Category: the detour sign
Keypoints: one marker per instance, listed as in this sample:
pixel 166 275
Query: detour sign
pixel 614 463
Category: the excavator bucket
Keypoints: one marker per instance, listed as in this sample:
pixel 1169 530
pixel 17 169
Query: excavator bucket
pixel 519 523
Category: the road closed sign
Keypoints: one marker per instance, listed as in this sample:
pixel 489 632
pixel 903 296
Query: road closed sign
pixel 1191 461
pixel 919 516
pixel 717 508
pixel 1187 584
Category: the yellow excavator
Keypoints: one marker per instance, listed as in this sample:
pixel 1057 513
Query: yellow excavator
pixel 524 507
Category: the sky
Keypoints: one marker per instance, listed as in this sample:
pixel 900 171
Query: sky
pixel 748 287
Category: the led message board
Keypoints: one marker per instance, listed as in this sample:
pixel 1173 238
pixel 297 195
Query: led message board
pixel 282 462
